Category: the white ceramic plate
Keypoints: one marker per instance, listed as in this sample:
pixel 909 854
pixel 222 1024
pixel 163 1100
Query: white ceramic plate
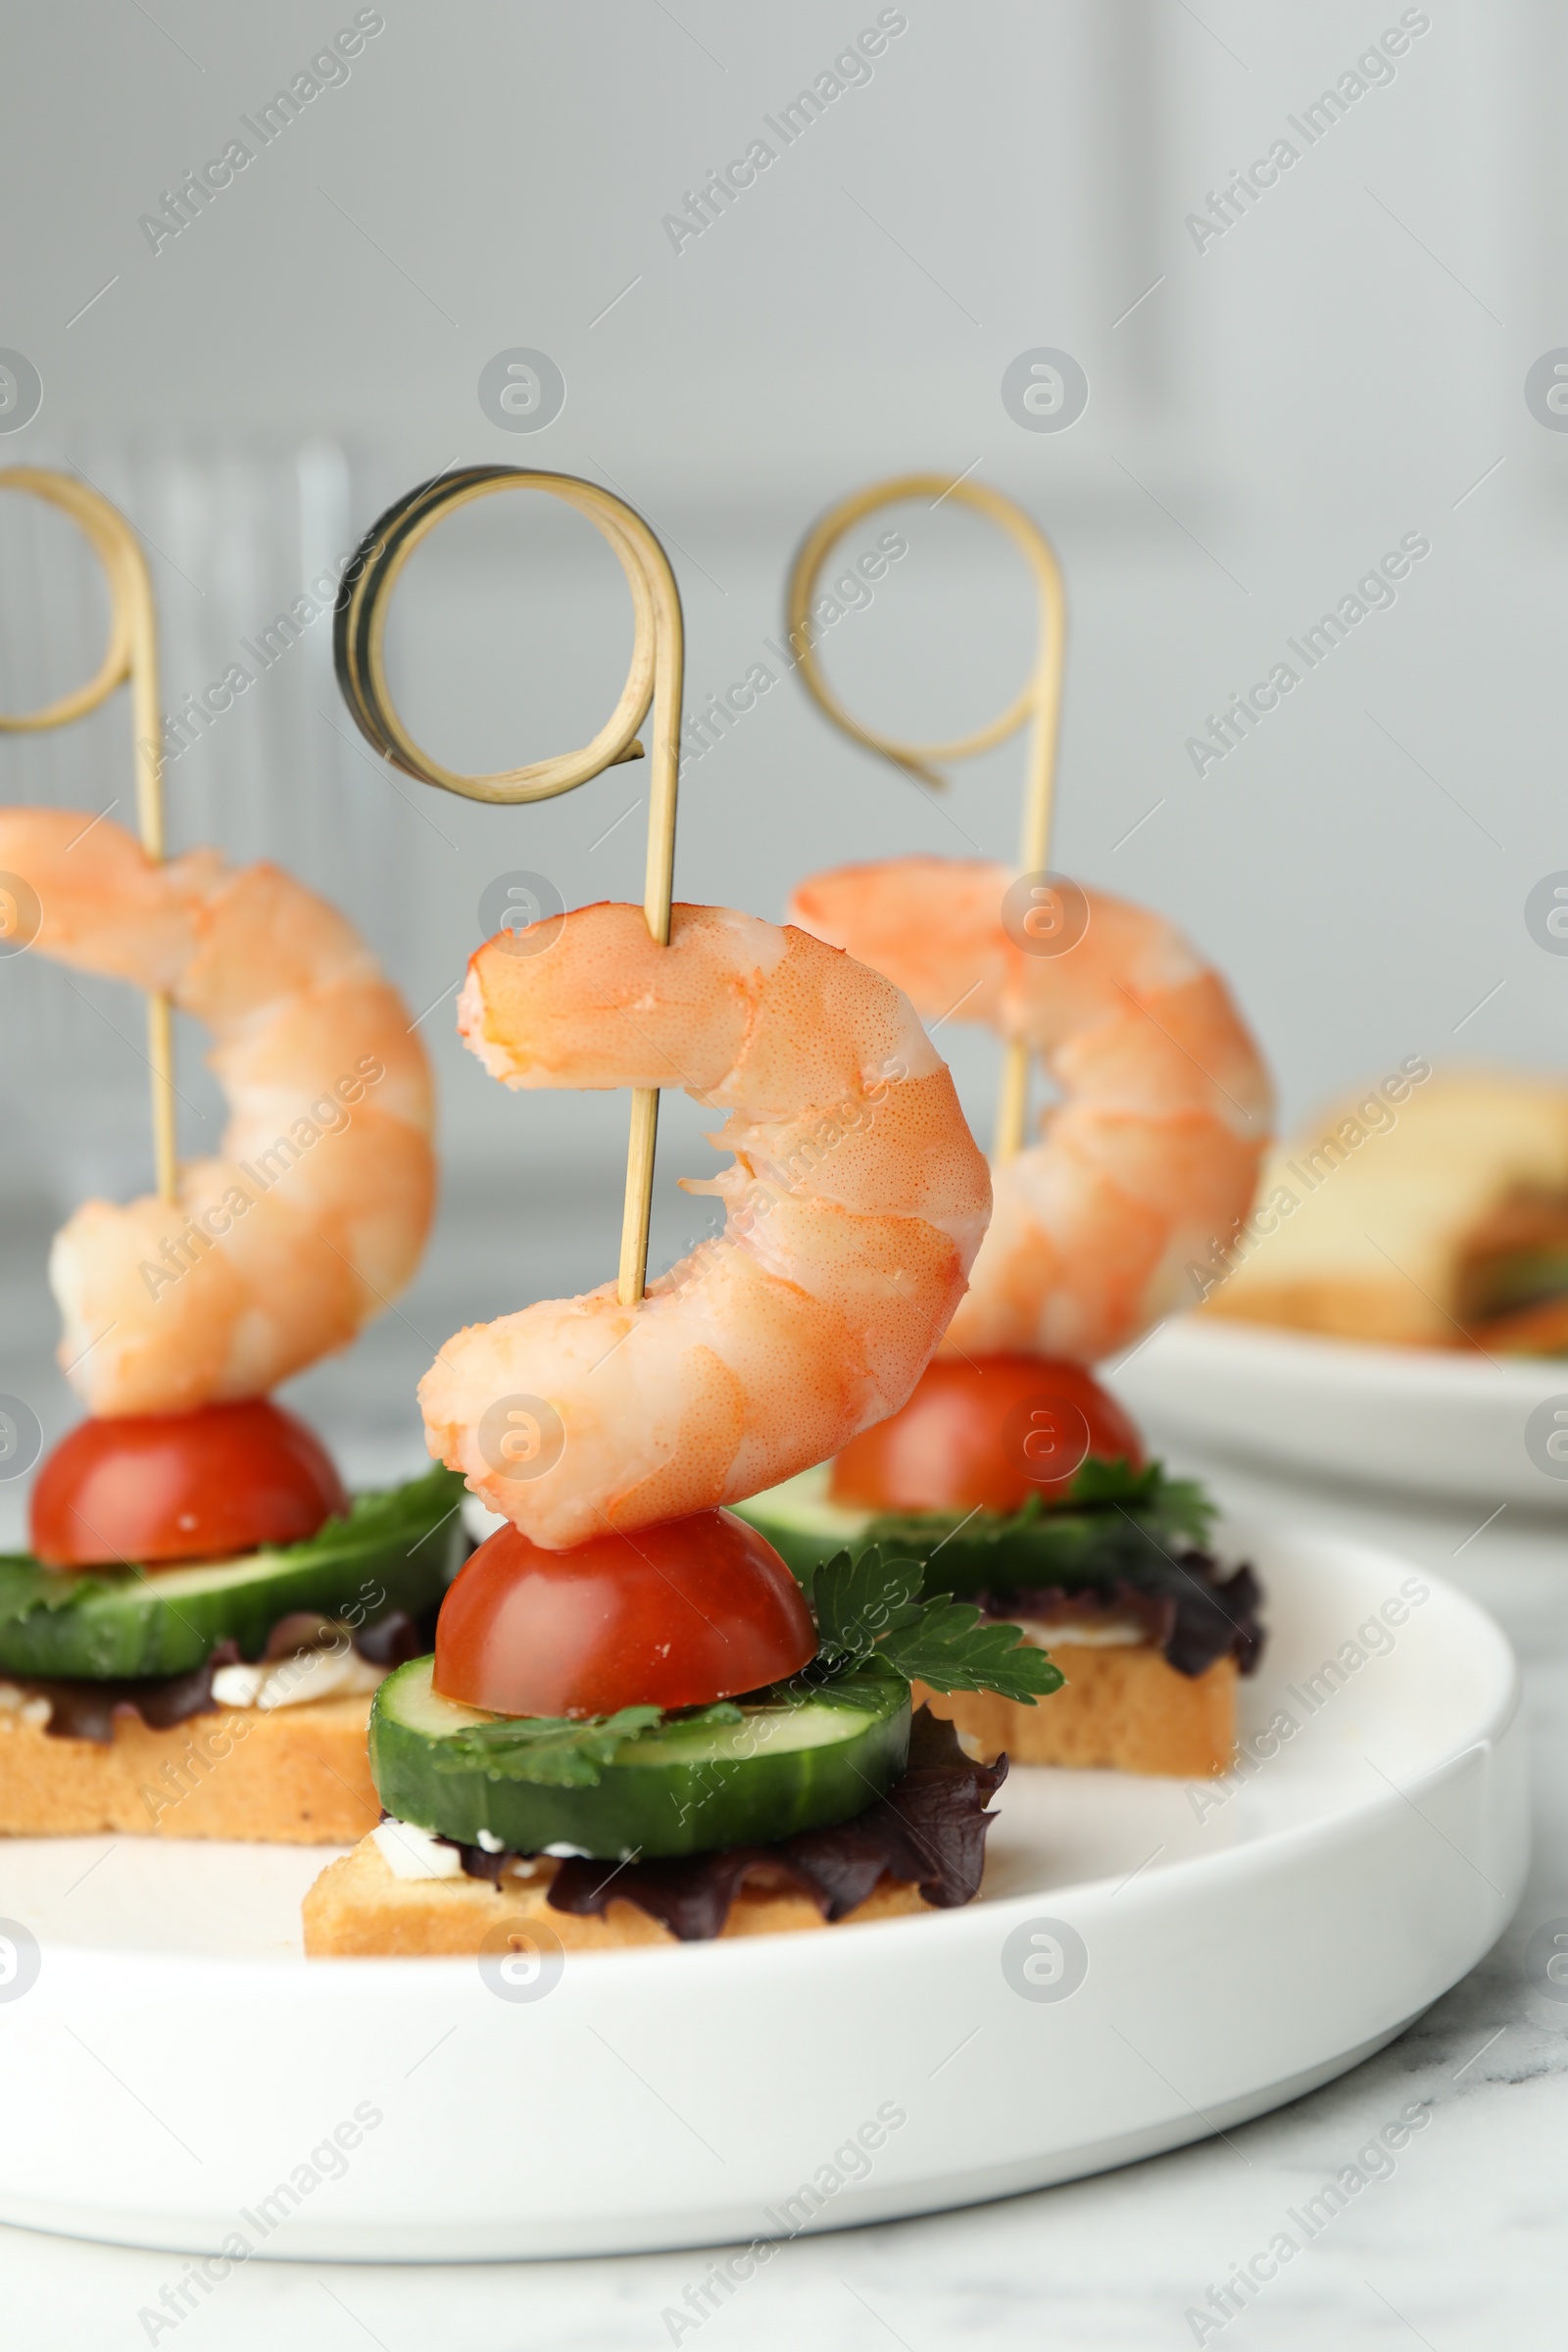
pixel 1149 1962
pixel 1455 1426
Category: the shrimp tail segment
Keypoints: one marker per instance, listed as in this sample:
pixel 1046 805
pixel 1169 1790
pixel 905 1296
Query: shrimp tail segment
pixel 313 1213
pixel 854 1207
pixel 1147 1165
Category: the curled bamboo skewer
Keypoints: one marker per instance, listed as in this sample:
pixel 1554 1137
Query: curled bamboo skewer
pixel 653 681
pixel 132 655
pixel 1038 705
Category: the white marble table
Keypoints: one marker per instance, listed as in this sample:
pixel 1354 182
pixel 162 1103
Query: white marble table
pixel 1464 2245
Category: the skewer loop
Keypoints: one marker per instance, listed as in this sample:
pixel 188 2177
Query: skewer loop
pixel 653 681
pixel 1038 705
pixel 133 654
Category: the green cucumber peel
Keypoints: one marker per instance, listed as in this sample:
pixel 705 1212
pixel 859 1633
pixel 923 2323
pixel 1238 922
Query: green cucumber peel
pixel 741 1772
pixel 392 1549
pixel 373 1519
pixel 1114 1522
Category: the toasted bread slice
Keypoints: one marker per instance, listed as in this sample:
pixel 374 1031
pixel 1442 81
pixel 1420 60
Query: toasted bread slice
pixel 358 1908
pixel 1382 1220
pixel 294 1776
pixel 1122 1709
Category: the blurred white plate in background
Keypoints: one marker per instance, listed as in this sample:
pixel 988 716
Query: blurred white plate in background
pixel 1439 1424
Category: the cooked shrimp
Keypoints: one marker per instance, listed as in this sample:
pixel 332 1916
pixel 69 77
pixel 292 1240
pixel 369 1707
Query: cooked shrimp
pixel 317 1208
pixel 1152 1158
pixel 854 1210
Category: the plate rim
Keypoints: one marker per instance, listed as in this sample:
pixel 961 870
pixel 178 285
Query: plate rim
pixel 1454 1371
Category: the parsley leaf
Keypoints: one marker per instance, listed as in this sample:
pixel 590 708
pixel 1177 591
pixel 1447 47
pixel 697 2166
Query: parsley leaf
pixel 25 1587
pixel 860 1601
pixel 951 1649
pixel 553 1751
pixel 866 1613
pixel 564 1751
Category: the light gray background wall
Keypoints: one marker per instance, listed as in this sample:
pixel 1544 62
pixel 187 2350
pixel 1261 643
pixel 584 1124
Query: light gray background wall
pixel 1345 364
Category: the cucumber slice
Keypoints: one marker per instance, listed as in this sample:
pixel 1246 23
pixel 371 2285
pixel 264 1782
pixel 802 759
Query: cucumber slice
pixel 395 1550
pixel 1118 1522
pixel 682 1787
pixel 802 1526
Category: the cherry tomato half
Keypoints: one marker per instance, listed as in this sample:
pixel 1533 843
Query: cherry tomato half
pixel 673 1616
pixel 157 1488
pixel 985 1435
